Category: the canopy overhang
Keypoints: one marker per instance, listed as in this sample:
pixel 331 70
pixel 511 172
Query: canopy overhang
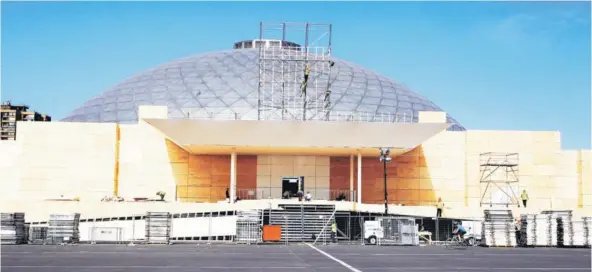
pixel 294 137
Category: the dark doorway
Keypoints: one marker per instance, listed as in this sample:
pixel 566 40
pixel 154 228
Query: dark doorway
pixel 292 185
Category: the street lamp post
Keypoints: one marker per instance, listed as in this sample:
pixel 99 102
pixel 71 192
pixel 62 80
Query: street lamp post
pixel 385 158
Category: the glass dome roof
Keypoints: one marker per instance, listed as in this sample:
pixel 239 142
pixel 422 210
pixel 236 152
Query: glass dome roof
pixel 225 82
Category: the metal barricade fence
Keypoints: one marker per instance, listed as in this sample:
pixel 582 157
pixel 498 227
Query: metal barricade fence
pixel 106 235
pixel 398 231
pixel 37 234
pixel 248 227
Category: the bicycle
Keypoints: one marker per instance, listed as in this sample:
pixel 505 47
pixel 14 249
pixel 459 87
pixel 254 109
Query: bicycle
pixel 456 243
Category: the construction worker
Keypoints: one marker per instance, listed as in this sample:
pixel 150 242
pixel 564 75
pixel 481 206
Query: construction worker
pixel 305 81
pixel 524 197
pixel 334 232
pixel 439 206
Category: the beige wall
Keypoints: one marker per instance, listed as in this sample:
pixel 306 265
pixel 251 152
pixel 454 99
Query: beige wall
pixel 9 172
pixel 271 169
pixel 445 161
pixel 69 159
pixel 585 177
pixel 145 166
pixel 541 162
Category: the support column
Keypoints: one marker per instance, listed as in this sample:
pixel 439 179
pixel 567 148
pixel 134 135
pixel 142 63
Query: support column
pixel 352 193
pixel 232 176
pixel 359 178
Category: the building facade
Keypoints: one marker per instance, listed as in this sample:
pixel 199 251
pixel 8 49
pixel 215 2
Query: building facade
pixel 181 157
pixel 193 128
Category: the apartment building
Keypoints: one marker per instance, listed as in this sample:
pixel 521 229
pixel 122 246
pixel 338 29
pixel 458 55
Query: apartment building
pixel 10 114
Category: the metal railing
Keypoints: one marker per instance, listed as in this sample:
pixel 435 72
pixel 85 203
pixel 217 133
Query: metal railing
pixel 273 192
pixel 217 193
pixel 313 115
pixel 404 197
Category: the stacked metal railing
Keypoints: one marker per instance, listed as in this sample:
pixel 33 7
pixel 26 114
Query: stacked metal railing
pixel 63 228
pixel 248 227
pixel 158 227
pixel 498 229
pixel 12 228
pixel 564 235
pixel 304 222
pixel 539 230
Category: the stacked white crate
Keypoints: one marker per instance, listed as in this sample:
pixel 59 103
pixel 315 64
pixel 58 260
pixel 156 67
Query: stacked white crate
pixel 7 229
pixel 158 227
pixel 63 228
pixel 564 233
pixel 539 229
pixel 578 230
pixel 498 229
pixel 587 221
pixel 12 228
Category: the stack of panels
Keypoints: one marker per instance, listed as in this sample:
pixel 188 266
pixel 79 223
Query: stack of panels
pixel 158 227
pixel 539 230
pixel 7 229
pixel 12 228
pixel 587 230
pixel 19 224
pixel 561 232
pixel 63 228
pixel 498 229
pixel 578 229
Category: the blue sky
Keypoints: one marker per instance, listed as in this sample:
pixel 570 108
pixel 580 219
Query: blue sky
pixel 491 65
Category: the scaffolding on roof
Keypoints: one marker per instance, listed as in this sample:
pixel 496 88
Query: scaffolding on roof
pixel 499 179
pixel 294 78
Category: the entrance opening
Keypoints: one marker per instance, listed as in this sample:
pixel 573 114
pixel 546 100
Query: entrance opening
pixel 292 185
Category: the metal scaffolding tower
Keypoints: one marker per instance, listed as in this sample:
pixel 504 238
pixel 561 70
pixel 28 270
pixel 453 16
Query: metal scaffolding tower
pixel 294 74
pixel 499 179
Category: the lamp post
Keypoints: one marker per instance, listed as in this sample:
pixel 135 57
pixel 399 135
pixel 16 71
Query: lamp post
pixel 385 158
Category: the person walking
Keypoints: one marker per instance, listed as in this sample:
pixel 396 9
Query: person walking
pixel 227 195
pixel 308 196
pixel 334 232
pixel 524 197
pixel 439 207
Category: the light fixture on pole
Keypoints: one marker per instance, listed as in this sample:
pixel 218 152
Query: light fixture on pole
pixel 385 158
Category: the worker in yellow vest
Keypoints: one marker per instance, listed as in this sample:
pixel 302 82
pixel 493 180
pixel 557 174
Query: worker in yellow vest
pixel 305 81
pixel 333 232
pixel 524 197
pixel 439 207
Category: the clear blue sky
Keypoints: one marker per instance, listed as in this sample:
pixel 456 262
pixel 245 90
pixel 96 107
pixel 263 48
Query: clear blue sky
pixel 498 66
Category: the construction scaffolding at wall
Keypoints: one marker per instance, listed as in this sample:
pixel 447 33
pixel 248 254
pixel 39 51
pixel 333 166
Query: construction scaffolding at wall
pixel 294 76
pixel 499 179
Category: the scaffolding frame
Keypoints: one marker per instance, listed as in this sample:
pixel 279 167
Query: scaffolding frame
pixel 499 170
pixel 284 91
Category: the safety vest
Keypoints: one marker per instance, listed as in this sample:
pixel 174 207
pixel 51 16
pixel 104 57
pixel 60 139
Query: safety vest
pixel 334 227
pixel 307 70
pixel 524 196
pixel 440 205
